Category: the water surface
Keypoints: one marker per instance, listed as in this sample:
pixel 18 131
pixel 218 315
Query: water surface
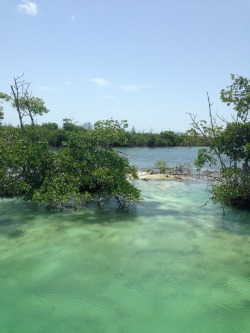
pixel 168 265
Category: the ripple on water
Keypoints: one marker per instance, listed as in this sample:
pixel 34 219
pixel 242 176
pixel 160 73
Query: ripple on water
pixel 169 266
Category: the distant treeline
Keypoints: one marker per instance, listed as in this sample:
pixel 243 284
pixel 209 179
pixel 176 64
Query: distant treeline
pixel 58 137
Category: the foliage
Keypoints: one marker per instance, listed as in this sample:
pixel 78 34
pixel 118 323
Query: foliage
pixel 68 125
pixel 21 100
pixel 87 168
pixel 238 95
pixel 1 114
pixel 112 130
pixel 3 97
pixel 182 169
pixel 161 166
pixel 169 138
pixel 23 163
pixel 194 137
pixel 32 107
pixel 162 139
pixel 229 146
pixel 149 170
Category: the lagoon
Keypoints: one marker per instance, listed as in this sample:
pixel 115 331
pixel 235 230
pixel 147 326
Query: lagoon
pixel 168 265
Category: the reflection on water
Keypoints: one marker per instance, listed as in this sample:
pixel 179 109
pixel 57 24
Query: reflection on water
pixel 166 266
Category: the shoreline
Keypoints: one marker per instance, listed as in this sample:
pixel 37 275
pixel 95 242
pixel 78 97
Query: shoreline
pixel 142 175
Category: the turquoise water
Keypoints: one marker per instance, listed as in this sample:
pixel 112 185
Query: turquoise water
pixel 168 265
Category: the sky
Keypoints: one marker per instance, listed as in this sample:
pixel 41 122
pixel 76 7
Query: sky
pixel 150 62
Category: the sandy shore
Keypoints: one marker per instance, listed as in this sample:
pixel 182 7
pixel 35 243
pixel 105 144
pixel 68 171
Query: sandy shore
pixel 160 176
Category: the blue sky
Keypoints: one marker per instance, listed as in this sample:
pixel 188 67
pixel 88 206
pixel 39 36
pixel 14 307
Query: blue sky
pixel 147 61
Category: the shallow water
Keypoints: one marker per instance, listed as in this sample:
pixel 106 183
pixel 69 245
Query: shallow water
pixel 169 265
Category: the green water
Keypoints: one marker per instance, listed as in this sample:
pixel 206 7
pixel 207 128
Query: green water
pixel 166 266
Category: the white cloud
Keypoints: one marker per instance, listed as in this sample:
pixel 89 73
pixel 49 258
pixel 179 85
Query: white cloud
pixel 132 87
pixel 67 82
pixel 100 82
pixel 28 7
pixel 72 18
